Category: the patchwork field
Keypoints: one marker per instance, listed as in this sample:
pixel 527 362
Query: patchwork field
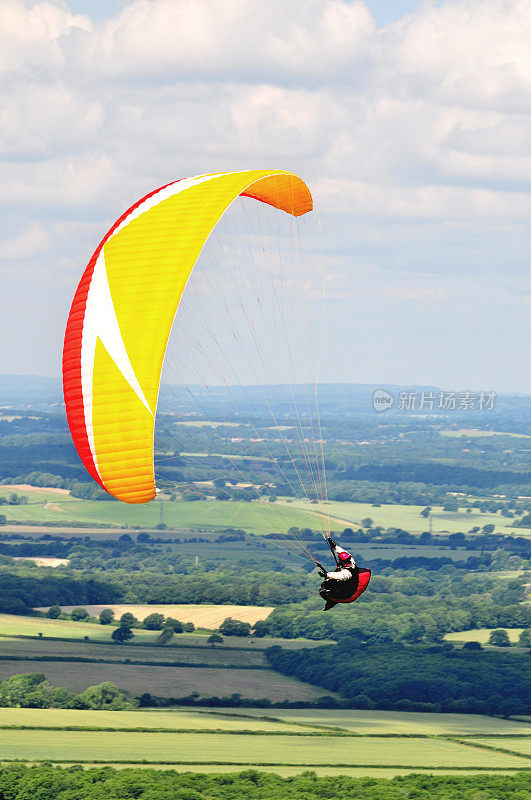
pixel 45 505
pixel 216 741
pixel 244 749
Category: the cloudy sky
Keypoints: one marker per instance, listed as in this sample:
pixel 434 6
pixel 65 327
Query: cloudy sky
pixel 410 122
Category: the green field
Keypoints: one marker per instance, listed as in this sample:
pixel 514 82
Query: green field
pixel 175 653
pixel 257 517
pixel 12 626
pixel 250 750
pixel 481 635
pixel 202 515
pixel 177 720
pixel 36 495
pixel 398 722
pixel 287 742
pixel 519 744
pixel 408 517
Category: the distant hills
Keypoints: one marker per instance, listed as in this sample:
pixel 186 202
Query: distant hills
pixel 45 394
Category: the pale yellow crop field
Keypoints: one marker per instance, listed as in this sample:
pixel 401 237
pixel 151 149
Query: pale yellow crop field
pixel 207 616
pixel 482 635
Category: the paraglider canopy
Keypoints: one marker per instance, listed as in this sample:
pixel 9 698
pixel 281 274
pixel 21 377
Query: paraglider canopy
pixel 123 310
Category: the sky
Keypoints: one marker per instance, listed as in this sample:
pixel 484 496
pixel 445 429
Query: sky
pixel 409 121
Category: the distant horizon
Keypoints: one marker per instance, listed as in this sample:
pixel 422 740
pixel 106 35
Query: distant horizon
pixel 368 386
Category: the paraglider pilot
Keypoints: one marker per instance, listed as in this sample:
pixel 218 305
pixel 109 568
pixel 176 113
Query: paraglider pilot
pixel 346 582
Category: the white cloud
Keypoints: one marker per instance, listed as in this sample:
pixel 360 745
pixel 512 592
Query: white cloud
pixel 227 38
pixel 33 240
pixel 414 138
pixel 30 34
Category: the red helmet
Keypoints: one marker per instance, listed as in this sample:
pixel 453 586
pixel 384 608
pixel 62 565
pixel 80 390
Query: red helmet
pixel 344 556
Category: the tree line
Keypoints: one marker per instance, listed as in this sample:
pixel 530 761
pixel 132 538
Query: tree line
pixel 420 678
pixel 19 782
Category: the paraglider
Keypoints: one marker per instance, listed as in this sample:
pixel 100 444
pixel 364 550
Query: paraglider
pixel 346 583
pixel 119 326
pixel 123 310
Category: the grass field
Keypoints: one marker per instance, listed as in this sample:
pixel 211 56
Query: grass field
pixel 481 635
pixel 408 517
pixel 249 750
pixel 205 515
pixel 202 616
pixel 179 652
pixel 517 744
pixel 179 720
pixel 200 515
pixel 12 625
pixel 398 722
pixel 286 742
pixel 35 494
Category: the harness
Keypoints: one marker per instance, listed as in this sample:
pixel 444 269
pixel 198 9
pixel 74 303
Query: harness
pixel 364 576
pixel 348 591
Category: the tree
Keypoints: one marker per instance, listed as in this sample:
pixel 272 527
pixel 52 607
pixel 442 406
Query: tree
pixel 173 624
pixel 261 628
pixel 128 620
pixel 215 639
pixel 122 634
pixel 488 528
pixel 125 538
pixel 3 519
pixel 106 616
pixel 233 627
pixel 499 638
pixel 154 622
pixel 53 612
pixel 426 512
pixel 165 636
pixel 105 696
pixel 525 638
pixel 367 522
pixel 79 614
pixel 472 646
pixel 189 627
pixel 143 537
pixel 14 690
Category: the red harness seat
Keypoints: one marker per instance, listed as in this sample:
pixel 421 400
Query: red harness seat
pixel 364 577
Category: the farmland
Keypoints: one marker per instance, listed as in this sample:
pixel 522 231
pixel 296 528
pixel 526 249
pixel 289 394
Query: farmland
pixel 481 635
pixel 203 515
pixel 207 616
pixel 258 517
pixel 186 665
pixel 12 625
pixel 408 517
pixel 169 681
pixel 362 743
